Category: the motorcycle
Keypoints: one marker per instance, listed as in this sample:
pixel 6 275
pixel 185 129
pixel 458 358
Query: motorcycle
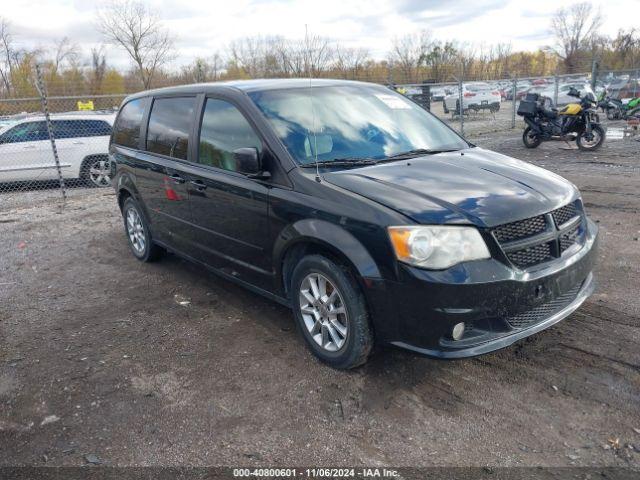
pixel 575 122
pixel 619 110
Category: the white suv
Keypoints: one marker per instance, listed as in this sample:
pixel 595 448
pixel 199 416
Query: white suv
pixel 82 142
pixel 475 96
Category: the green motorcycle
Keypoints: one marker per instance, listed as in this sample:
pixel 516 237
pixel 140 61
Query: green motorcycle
pixel 618 110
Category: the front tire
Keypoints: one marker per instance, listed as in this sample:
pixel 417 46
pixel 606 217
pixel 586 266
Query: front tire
pixel 137 230
pixel 530 139
pixel 588 145
pixel 444 107
pixel 331 312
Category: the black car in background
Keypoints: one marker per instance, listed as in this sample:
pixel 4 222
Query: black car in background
pixel 368 216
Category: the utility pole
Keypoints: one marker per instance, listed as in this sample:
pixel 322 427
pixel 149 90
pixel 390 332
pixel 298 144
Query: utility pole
pixel 595 66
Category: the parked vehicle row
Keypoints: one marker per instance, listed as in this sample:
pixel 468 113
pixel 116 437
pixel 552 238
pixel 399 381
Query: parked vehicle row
pixel 364 213
pixel 475 96
pixel 81 142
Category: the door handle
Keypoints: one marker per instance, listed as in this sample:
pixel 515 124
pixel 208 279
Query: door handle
pixel 199 184
pixel 175 178
pixel 29 147
pixel 78 143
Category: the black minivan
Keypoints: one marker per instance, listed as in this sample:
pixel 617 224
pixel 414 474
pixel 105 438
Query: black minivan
pixel 368 216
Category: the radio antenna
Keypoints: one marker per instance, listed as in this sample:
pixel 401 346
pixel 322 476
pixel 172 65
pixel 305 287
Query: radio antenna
pixel 313 112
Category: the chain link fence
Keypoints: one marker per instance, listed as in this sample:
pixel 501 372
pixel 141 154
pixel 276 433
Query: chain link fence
pixel 53 147
pixel 491 105
pixel 56 146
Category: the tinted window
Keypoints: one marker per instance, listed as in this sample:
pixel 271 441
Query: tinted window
pixel 127 129
pixel 26 132
pixel 224 129
pixel 169 126
pixel 80 128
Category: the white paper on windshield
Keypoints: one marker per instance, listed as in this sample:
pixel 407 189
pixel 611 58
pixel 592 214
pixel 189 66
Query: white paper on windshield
pixel 394 102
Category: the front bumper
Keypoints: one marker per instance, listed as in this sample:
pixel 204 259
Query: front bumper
pixel 419 311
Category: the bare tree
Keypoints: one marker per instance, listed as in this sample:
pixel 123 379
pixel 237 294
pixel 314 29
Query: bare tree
pixel 441 59
pixel 202 70
pixel 409 52
pixel 6 52
pixel 131 25
pixel 350 61
pixel 98 70
pixel 626 47
pixel 64 50
pixel 574 29
pixel 318 54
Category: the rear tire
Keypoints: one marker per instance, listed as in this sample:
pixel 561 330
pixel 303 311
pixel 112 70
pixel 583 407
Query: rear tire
pixel 320 287
pixel 96 171
pixel 594 143
pixel 530 139
pixel 138 235
pixel 612 114
pixel 444 107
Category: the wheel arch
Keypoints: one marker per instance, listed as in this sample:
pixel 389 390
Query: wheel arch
pixel 87 158
pixel 313 236
pixel 125 188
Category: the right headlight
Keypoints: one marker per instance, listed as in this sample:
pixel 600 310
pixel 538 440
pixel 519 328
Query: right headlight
pixel 437 247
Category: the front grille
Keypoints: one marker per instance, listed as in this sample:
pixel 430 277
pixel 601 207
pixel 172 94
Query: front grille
pixel 544 311
pixel 538 239
pixel 564 214
pixel 531 255
pixel 520 229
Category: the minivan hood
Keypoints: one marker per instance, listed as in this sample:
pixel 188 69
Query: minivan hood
pixel 470 186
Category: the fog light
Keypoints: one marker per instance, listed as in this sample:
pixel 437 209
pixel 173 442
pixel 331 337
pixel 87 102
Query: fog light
pixel 458 331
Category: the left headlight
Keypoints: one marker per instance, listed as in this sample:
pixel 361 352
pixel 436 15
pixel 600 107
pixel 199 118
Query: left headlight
pixel 437 247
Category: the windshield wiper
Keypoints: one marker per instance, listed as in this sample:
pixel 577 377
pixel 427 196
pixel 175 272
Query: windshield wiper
pixel 341 162
pixel 415 153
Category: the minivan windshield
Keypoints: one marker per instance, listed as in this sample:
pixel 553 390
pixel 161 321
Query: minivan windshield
pixel 352 122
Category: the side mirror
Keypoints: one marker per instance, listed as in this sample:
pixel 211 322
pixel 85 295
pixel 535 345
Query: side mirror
pixel 573 93
pixel 246 160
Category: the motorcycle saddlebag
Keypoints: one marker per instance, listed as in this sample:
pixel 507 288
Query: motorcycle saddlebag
pixel 527 108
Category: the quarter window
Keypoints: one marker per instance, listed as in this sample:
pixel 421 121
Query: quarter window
pixel 224 129
pixel 127 128
pixel 169 125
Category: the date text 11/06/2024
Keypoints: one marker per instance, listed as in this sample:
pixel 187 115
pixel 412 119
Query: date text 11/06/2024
pixel 315 472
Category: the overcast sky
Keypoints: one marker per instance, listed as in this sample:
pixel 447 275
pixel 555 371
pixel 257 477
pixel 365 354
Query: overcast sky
pixel 202 27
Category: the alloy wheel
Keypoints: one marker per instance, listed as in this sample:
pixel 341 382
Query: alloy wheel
pixel 100 173
pixel 135 230
pixel 323 312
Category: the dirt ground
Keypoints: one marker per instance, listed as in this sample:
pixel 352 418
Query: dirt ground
pixel 105 359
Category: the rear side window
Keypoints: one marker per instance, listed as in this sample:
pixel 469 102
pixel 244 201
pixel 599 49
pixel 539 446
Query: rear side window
pixel 169 126
pixel 80 128
pixel 127 128
pixel 224 129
